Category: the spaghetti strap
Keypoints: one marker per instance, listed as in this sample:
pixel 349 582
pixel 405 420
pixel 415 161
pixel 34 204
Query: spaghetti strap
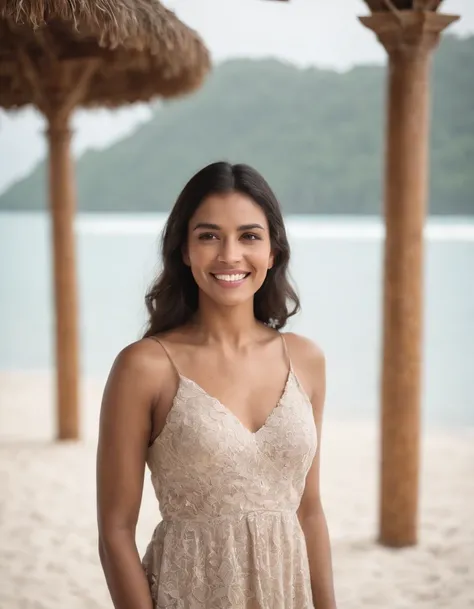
pixel 167 353
pixel 287 353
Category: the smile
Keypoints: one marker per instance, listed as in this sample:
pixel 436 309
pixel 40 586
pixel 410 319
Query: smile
pixel 238 277
pixel 230 279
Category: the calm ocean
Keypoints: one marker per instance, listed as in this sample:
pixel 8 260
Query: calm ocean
pixel 337 267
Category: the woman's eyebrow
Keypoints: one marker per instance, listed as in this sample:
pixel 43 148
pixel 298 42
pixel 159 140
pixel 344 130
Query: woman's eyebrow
pixel 251 227
pixel 207 225
pixel 211 226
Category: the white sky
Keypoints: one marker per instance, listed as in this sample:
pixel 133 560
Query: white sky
pixel 325 33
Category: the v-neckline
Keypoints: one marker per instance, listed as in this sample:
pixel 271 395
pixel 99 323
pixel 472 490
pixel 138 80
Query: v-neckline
pixel 231 413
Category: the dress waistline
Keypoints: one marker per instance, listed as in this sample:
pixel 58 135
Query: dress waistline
pixel 248 514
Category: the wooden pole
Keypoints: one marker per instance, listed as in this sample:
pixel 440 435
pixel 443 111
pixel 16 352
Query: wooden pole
pixel 56 88
pixel 68 88
pixel 63 204
pixel 55 94
pixel 409 38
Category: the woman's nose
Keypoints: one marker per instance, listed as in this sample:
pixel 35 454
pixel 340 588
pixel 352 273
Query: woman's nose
pixel 230 251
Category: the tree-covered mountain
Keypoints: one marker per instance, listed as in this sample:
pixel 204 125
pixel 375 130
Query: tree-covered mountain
pixel 316 135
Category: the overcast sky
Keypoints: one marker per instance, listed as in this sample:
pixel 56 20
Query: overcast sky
pixel 324 33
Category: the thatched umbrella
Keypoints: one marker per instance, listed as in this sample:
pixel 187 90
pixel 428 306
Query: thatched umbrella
pixel 61 54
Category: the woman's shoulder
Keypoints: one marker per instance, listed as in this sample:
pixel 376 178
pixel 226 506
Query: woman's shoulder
pixel 309 361
pixel 142 358
pixel 303 348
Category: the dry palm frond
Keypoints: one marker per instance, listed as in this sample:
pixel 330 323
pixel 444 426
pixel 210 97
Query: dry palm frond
pixel 132 23
pixel 403 5
pixel 152 54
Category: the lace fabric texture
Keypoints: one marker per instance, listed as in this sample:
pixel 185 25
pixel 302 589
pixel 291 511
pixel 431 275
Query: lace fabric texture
pixel 230 537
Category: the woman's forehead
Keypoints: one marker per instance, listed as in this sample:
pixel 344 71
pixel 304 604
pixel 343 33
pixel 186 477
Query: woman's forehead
pixel 230 210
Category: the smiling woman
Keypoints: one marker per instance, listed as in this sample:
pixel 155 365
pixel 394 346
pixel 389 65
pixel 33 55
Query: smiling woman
pixel 223 212
pixel 226 411
pixel 227 254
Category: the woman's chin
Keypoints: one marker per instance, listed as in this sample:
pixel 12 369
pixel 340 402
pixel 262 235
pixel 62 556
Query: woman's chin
pixel 227 298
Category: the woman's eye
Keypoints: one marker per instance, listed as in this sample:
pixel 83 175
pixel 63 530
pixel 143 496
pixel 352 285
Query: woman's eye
pixel 250 237
pixel 207 236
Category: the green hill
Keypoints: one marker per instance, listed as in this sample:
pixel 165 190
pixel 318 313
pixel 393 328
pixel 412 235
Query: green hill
pixel 316 135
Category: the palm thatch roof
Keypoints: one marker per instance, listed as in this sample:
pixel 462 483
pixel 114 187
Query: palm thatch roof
pixel 403 5
pixel 133 49
pixel 407 20
pixel 133 23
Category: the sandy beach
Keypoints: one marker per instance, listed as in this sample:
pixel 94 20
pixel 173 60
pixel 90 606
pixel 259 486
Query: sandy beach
pixel 48 541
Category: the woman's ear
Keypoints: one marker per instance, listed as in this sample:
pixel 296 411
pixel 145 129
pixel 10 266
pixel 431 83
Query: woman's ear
pixel 271 260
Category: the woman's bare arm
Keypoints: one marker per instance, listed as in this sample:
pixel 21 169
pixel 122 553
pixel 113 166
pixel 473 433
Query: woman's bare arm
pixel 310 512
pixel 125 428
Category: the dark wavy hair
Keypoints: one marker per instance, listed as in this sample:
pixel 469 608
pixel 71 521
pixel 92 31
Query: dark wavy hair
pixel 173 298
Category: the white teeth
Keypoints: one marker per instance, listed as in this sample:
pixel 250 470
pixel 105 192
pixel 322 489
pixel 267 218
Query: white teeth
pixel 238 277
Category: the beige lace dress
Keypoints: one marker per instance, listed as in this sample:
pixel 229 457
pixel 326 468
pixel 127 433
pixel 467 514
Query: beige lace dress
pixel 229 536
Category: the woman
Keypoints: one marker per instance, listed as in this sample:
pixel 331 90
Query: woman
pixel 226 412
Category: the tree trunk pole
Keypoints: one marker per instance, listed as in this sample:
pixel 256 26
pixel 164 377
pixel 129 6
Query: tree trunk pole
pixel 63 204
pixel 409 38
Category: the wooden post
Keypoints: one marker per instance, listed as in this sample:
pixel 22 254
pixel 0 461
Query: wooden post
pixel 409 38
pixel 63 204
pixel 57 88
pixel 65 90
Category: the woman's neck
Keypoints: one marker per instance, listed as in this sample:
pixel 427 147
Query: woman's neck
pixel 230 326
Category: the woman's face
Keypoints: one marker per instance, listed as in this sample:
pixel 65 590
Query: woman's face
pixel 229 249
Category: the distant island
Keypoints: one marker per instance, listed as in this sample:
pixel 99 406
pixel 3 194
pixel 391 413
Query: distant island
pixel 316 135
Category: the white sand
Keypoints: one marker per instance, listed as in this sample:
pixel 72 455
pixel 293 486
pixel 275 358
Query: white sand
pixel 48 556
